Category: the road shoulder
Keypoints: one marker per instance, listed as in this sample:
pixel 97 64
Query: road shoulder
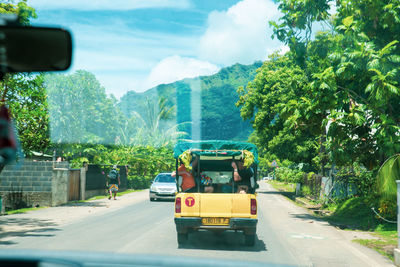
pixel 35 220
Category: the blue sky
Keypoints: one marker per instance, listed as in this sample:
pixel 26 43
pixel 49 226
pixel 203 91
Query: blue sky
pixel 138 44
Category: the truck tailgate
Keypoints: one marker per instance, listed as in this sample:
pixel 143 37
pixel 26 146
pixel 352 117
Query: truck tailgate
pixel 225 205
pixel 215 205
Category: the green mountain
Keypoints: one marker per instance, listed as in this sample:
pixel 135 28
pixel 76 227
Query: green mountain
pixel 207 102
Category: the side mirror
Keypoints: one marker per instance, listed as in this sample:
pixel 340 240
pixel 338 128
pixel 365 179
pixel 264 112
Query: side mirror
pixel 32 49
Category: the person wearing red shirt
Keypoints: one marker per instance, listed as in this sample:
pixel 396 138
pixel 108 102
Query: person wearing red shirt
pixel 188 183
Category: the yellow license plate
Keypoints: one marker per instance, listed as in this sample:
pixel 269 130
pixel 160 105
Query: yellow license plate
pixel 215 221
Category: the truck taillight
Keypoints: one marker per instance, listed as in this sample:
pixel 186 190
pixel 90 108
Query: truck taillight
pixel 178 205
pixel 253 206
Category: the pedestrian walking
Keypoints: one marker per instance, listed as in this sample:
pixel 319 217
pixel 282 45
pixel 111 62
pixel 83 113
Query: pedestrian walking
pixel 113 182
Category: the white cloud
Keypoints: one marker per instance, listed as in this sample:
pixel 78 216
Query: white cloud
pixel 284 49
pixel 332 8
pixel 241 34
pixel 176 68
pixel 107 4
pixel 118 84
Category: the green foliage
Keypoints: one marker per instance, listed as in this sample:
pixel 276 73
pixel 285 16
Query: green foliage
pixel 288 175
pixel 210 99
pixel 25 94
pixel 388 209
pixel 273 100
pixel 386 179
pixel 23 11
pixel 357 175
pixel 139 182
pixel 384 246
pixel 77 163
pixel 306 190
pixel 80 110
pixel 142 162
pixel 156 127
pixel 333 99
pixel 356 213
pixel 26 97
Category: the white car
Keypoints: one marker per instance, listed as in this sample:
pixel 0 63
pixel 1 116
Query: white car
pixel 163 187
pixel 267 178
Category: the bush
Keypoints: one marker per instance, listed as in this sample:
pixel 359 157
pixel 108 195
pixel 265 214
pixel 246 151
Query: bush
pixel 363 179
pixel 388 209
pixel 306 190
pixel 139 182
pixel 289 176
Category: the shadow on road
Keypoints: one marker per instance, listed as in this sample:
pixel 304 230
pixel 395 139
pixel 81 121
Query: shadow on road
pixel 24 227
pixel 306 217
pixel 86 204
pixel 163 200
pixel 290 195
pixel 227 241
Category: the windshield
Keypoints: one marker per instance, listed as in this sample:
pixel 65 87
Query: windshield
pixel 276 121
pixel 165 178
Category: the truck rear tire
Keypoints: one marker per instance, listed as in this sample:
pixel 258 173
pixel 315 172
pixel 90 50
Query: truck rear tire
pixel 182 238
pixel 249 240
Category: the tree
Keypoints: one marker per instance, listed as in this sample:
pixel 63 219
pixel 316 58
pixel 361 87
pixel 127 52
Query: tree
pixel 350 83
pixel 155 127
pixel 80 110
pixel 271 102
pixel 26 96
pixel 21 9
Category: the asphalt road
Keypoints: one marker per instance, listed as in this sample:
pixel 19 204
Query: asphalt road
pixel 286 234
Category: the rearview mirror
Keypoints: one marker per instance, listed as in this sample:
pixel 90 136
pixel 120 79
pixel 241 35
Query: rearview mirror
pixel 31 49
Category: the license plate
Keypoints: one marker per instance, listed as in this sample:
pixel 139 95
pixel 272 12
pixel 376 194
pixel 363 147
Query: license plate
pixel 215 221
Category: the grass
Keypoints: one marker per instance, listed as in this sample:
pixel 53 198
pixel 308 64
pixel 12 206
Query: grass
pixel 282 186
pixel 385 243
pixel 356 214
pixel 128 191
pixel 22 210
pixel 75 201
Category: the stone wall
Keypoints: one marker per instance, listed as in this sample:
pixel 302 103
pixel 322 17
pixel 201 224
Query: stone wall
pixel 46 183
pixel 33 178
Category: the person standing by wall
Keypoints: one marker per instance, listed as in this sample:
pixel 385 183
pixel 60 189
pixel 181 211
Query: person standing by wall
pixel 113 182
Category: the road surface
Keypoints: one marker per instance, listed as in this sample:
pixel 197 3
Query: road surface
pixel 286 233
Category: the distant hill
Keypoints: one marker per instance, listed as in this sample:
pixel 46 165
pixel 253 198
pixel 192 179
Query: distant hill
pixel 208 102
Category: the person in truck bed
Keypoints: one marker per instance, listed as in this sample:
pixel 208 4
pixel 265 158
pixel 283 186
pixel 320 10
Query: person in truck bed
pixel 188 183
pixel 206 183
pixel 241 176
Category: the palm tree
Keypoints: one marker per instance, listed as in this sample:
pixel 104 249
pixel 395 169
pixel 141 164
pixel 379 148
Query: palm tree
pixel 388 173
pixel 149 129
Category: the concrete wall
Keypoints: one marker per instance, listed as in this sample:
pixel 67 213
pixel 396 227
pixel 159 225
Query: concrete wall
pixel 34 178
pixel 30 176
pixel 46 183
pixel 59 192
pixel 83 183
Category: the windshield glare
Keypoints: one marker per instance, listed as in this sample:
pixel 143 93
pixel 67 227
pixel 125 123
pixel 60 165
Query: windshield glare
pixel 285 113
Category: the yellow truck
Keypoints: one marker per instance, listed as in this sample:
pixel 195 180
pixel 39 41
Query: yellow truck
pixel 224 197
